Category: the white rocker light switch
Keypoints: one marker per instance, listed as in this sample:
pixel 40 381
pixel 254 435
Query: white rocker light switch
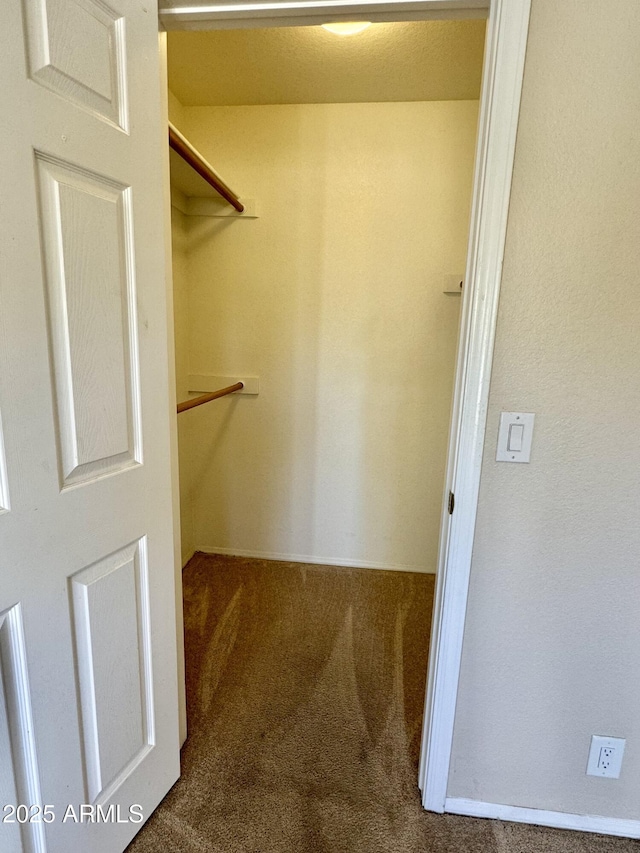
pixel 514 437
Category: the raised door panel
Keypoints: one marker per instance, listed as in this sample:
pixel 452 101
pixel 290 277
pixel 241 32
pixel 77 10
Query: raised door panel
pixel 19 779
pixel 76 48
pixel 89 272
pixel 113 667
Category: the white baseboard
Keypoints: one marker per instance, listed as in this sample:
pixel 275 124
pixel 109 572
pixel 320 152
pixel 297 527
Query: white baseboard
pixel 306 558
pixel 540 817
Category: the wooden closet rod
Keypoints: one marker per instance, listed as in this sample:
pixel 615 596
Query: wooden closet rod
pixel 189 154
pixel 206 398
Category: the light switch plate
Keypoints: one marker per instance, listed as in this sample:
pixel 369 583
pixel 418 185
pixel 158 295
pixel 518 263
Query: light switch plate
pixel 515 436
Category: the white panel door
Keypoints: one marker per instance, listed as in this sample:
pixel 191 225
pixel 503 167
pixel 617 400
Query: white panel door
pixel 88 684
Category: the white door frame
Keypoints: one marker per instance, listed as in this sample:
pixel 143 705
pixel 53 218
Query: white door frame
pixel 505 47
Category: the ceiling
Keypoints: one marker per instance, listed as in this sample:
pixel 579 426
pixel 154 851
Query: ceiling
pixel 408 61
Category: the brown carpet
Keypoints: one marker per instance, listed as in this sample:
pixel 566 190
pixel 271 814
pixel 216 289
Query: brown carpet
pixel 305 687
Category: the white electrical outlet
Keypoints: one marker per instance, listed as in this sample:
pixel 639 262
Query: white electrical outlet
pixel 605 756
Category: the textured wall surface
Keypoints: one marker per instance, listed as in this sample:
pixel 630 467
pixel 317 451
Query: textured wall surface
pixel 181 322
pixel 333 297
pixel 552 642
pixel 410 61
pixel 179 227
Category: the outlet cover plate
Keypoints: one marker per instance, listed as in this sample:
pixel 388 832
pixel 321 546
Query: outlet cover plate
pixel 605 756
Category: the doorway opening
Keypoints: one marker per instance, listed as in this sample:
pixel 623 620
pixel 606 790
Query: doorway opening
pixel 334 297
pixel 478 321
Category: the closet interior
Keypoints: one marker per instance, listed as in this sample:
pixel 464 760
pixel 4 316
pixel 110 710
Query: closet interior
pixel 317 285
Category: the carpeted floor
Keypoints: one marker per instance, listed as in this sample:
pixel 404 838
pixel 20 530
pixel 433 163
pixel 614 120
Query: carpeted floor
pixel 305 687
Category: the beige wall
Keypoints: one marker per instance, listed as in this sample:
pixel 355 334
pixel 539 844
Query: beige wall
pixel 179 234
pixel 333 297
pixel 552 642
pixel 185 425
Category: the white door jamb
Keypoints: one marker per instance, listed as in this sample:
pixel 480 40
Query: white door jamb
pixel 505 47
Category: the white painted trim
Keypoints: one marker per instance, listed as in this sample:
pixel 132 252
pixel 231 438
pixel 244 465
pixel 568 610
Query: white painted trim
pixel 272 13
pixel 499 109
pixel 345 562
pixel 541 817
